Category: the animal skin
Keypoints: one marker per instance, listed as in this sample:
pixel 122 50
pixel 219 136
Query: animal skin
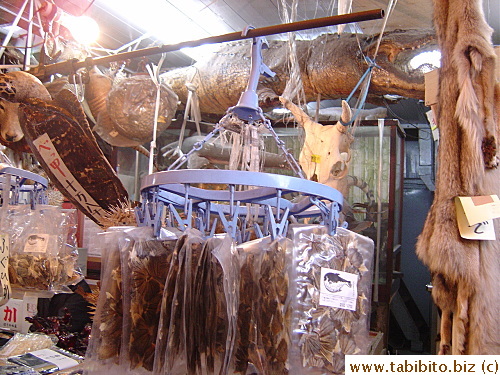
pixel 329 65
pixel 464 272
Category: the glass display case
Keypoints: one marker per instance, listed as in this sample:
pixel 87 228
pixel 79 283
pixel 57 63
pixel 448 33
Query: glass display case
pixel 375 198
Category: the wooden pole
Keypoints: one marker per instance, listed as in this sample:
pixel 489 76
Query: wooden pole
pixel 71 66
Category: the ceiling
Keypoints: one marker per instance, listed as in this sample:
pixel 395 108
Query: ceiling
pixel 129 25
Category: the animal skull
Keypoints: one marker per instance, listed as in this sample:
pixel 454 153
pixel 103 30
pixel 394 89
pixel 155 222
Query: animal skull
pixel 325 154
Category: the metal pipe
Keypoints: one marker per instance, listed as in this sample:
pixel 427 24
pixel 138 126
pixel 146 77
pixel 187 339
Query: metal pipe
pixel 11 31
pixel 29 36
pixel 70 66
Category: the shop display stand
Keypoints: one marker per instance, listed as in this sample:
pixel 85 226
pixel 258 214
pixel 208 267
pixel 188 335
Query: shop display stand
pixel 15 190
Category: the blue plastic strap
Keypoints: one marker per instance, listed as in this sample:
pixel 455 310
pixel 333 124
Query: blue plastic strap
pixel 367 73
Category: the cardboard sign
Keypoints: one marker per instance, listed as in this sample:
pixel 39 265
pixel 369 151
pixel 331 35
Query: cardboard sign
pixel 431 82
pixel 14 312
pixel 475 216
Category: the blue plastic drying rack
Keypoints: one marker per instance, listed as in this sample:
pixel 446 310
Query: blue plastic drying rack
pixel 13 183
pixel 247 195
pixel 263 197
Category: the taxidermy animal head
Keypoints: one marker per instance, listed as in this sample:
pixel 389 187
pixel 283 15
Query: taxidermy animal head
pixel 15 87
pixel 10 128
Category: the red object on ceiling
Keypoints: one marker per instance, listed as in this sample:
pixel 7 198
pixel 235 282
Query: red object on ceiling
pixel 74 7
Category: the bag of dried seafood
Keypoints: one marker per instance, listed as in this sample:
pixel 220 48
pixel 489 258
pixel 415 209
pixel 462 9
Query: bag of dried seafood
pixel 193 332
pixel 178 308
pixel 145 264
pixel 263 314
pixel 43 249
pixel 104 347
pixel 6 229
pixel 331 281
pixel 227 293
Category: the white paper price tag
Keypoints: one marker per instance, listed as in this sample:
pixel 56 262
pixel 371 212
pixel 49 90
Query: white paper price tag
pixel 338 289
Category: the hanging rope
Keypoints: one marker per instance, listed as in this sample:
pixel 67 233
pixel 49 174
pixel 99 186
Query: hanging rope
pixel 154 73
pixel 294 88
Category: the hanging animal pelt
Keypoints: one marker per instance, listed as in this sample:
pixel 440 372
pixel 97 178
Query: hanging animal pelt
pixel 464 272
pixel 329 65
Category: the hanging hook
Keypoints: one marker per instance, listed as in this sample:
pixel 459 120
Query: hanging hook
pixel 79 86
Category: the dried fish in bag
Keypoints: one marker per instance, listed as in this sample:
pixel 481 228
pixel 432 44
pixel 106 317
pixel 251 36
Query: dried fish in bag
pixel 176 307
pixel 104 348
pixel 146 261
pixel 263 308
pixel 205 312
pixel 166 309
pixel 43 250
pixel 215 307
pixel 7 227
pixel 225 253
pixel 331 278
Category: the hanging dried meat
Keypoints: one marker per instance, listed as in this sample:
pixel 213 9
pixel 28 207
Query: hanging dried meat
pixel 332 281
pixel 194 306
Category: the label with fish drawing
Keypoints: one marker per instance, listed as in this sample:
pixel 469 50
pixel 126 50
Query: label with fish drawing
pixel 338 289
pixel 37 243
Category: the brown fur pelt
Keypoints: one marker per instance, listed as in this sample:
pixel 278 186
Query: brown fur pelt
pixel 465 272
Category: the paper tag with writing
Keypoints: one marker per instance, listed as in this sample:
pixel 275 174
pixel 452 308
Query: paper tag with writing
pixel 433 122
pixel 479 208
pixel 12 315
pixel 483 230
pixel 50 155
pixel 60 360
pixel 5 289
pixel 338 289
pixel 37 243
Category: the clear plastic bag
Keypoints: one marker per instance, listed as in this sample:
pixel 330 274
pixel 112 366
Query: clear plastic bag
pixel 262 338
pixel 104 348
pixel 147 262
pixel 332 279
pixel 43 249
pixel 177 306
pixel 131 107
pixel 22 343
pixel 194 325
